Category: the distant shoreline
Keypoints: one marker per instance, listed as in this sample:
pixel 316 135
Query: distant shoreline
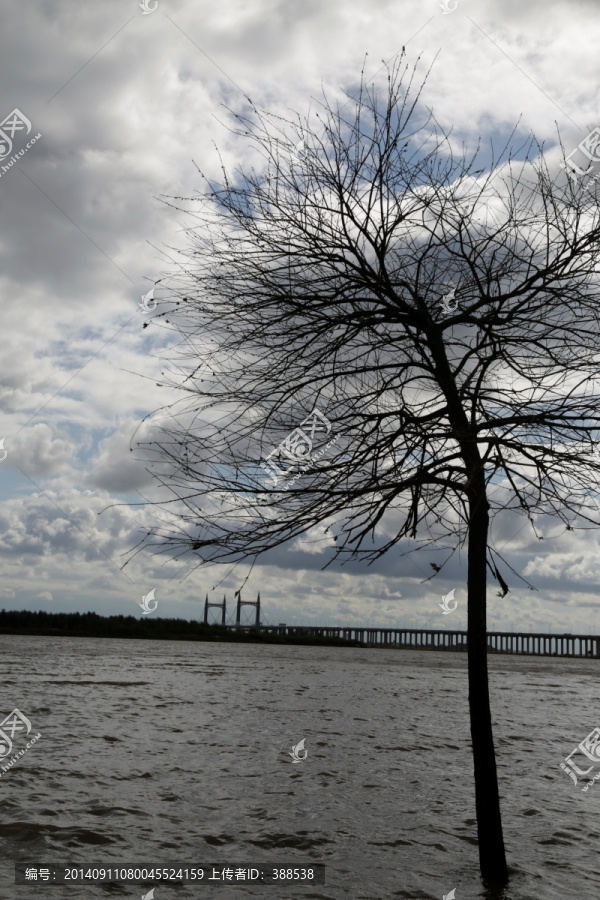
pixel 43 624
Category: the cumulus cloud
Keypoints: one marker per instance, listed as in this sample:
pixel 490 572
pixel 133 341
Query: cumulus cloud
pixel 125 105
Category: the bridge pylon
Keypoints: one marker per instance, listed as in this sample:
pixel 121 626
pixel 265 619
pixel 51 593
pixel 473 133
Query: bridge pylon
pixel 241 603
pixel 221 606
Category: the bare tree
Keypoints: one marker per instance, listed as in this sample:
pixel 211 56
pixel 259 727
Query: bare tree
pixel 378 338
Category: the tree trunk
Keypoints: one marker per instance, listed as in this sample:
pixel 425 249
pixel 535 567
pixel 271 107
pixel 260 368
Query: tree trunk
pixel 492 859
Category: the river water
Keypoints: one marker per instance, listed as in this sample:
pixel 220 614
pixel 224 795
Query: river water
pixel 157 752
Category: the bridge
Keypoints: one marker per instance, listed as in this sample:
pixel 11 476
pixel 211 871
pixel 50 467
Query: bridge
pixel 517 642
pixel 531 644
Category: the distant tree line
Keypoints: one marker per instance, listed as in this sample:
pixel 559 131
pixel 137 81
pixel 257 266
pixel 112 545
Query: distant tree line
pixel 90 624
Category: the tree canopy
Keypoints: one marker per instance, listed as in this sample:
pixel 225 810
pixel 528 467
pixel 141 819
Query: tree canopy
pixel 439 317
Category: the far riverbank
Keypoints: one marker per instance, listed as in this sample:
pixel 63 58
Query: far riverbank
pixel 90 624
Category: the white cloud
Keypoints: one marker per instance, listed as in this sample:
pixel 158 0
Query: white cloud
pixel 84 237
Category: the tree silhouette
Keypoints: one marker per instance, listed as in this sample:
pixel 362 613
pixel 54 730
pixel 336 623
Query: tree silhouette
pixel 379 338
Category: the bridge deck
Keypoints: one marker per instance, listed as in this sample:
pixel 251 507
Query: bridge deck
pixel 533 644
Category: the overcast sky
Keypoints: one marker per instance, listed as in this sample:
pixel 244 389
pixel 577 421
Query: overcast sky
pixel 125 104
